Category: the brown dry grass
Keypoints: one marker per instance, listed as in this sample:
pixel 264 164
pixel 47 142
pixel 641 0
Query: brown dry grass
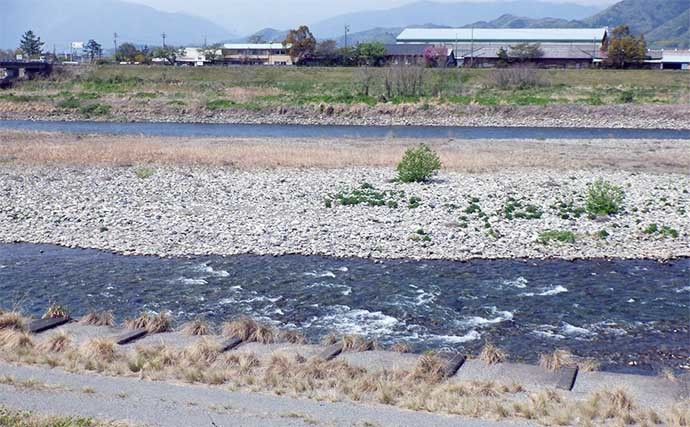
pixel 557 360
pixel 400 347
pixel 492 355
pixel 12 320
pixel 59 342
pixel 55 310
pixel 292 337
pixel 421 388
pixel 28 148
pixel 356 343
pixel 94 318
pixel 16 340
pixel 155 324
pixel 250 330
pixel 196 327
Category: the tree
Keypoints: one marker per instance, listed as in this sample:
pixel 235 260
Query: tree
pixel 326 48
pixel 436 56
pixel 624 49
pixel 127 52
pixel 213 52
pixel 503 58
pixel 370 53
pixel 169 53
pixel 526 51
pixel 30 44
pixel 302 43
pixel 93 49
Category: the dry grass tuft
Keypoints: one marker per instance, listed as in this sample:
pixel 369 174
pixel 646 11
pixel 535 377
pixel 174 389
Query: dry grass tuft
pixel 587 364
pixel 196 327
pixel 15 340
pixel 355 343
pixel 12 320
pixel 99 349
pixel 204 352
pixel 161 322
pixel 329 339
pixel 292 337
pixel 138 322
pixel 250 330
pixel 59 342
pixel 400 347
pixel 429 368
pixel 55 310
pixel 492 355
pixel 102 318
pixel 556 360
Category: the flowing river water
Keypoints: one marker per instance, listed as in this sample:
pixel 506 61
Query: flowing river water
pixel 333 131
pixel 632 315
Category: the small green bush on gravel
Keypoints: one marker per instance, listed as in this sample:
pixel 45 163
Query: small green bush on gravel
pixel 604 198
pixel 418 164
pixel 366 194
pixel 563 236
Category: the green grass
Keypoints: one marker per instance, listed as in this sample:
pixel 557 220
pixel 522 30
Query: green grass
pixel 366 194
pixel 92 110
pixel 562 236
pixel 319 85
pixel 14 418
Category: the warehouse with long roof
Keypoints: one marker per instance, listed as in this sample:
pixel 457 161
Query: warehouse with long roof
pixel 479 47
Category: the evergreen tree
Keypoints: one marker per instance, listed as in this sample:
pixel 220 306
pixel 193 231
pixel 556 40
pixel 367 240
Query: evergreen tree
pixel 93 49
pixel 31 45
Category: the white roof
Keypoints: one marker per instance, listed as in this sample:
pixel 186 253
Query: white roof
pixel 679 57
pixel 420 35
pixel 256 46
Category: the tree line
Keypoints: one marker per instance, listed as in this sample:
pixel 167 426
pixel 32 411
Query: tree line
pixel 624 50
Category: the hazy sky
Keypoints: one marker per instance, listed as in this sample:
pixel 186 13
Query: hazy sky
pixel 246 16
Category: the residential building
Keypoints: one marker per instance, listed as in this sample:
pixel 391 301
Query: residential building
pixel 256 54
pixel 413 54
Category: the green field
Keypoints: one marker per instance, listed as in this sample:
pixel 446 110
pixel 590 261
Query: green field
pixel 253 88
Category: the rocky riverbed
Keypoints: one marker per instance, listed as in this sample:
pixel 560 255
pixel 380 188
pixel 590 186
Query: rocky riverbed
pixel 178 211
pixel 554 115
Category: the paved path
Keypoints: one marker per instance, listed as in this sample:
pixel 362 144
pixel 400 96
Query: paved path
pixel 56 392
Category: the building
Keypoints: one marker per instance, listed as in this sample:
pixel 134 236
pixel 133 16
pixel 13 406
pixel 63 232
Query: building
pixel 675 60
pixel 255 54
pixel 479 47
pixel 412 54
pixel 196 57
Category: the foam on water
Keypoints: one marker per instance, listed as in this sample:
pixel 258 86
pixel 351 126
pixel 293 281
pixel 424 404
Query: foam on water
pixel 320 274
pixel 681 290
pixel 456 339
pixel 478 321
pixel 519 283
pixel 553 290
pixel 345 320
pixel 568 329
pixel 189 281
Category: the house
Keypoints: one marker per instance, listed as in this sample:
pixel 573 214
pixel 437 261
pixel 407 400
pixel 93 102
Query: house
pixel 413 54
pixel 196 57
pixel 255 54
pixel 561 47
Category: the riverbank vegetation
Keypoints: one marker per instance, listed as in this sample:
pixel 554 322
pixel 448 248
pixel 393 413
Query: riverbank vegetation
pixel 287 371
pixel 93 89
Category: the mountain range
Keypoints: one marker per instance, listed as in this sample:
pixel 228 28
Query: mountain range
pixel 663 22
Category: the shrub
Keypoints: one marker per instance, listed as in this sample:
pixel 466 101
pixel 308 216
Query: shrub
pixel 516 209
pixel 516 78
pixel 604 198
pixel 365 194
pixel 404 80
pixel 69 103
pixel 563 236
pixel 418 164
pixel 95 110
pixel 144 172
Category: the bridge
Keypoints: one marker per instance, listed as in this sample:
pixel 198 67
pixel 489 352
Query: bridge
pixel 11 71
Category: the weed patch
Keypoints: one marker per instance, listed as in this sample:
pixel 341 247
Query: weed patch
pixel 562 236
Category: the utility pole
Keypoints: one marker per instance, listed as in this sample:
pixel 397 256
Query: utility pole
pixel 472 48
pixel 164 36
pixel 205 41
pixel 347 30
pixel 115 41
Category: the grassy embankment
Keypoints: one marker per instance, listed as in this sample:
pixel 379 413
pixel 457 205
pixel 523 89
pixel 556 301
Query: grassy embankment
pixel 94 91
